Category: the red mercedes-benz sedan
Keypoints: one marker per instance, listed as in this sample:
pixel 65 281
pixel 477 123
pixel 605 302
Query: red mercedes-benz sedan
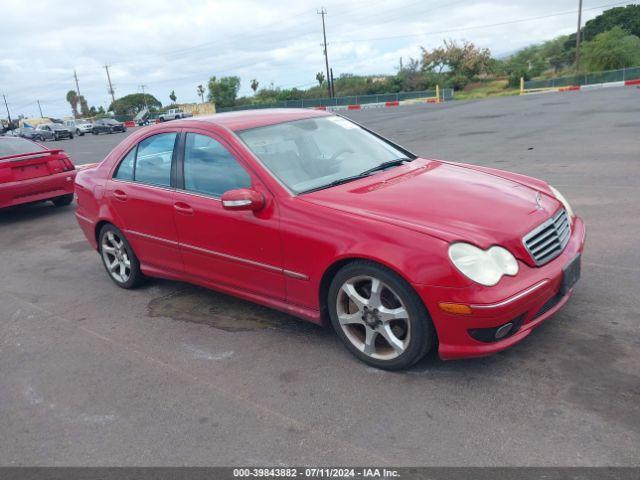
pixel 317 216
pixel 30 172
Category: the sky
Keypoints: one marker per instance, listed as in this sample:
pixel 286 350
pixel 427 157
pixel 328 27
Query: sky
pixel 171 45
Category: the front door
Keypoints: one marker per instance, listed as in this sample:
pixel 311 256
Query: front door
pixel 142 197
pixel 240 249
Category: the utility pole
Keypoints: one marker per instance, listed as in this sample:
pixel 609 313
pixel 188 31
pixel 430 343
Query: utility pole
pixel 6 105
pixel 323 12
pixel 113 96
pixel 333 85
pixel 144 97
pixel 75 75
pixel 40 108
pixel 578 35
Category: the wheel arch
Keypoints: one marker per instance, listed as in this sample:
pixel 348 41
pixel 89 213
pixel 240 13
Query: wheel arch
pixel 98 227
pixel 331 271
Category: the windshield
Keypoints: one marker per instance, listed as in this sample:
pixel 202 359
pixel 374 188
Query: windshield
pixel 16 145
pixel 316 152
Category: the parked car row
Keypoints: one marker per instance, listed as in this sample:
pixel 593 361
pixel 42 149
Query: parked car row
pixel 59 131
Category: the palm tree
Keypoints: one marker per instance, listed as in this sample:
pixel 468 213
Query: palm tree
pixel 200 91
pixel 254 85
pixel 72 98
pixel 172 96
pixel 320 78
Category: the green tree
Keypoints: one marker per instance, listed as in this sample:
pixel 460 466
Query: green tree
pixel 200 91
pixel 465 60
pixel 611 50
pixel 627 18
pixel 72 98
pixel 133 103
pixel 254 85
pixel 320 78
pixel 84 106
pixel 223 92
pixel 172 96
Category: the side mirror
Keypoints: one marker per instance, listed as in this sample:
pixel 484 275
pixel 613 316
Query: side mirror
pixel 242 199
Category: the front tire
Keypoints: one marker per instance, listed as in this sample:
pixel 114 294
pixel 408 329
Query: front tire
pixel 63 201
pixel 118 258
pixel 379 316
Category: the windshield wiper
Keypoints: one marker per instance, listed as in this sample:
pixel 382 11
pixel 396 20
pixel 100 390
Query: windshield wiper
pixel 366 173
pixel 383 165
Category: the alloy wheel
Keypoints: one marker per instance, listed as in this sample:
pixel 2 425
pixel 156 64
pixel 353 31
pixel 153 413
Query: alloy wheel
pixel 115 256
pixel 373 317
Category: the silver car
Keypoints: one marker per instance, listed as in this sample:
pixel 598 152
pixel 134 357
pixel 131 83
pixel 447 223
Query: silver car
pixel 55 131
pixel 79 126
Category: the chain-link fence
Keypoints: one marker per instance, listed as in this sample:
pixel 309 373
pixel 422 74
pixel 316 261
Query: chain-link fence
pixel 621 75
pixel 445 94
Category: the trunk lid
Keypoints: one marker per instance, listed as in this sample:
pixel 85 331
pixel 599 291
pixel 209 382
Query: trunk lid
pixel 26 160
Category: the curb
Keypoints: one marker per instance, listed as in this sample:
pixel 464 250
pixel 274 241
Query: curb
pixel 573 88
pixel 391 104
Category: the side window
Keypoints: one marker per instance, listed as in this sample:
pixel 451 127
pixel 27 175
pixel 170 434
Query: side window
pixel 125 169
pixel 153 160
pixel 209 168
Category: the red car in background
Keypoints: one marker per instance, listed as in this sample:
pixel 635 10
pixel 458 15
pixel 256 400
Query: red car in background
pixel 30 172
pixel 312 214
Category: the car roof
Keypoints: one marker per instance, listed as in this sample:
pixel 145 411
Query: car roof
pixel 245 119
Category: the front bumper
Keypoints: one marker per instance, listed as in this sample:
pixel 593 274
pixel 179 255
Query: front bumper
pixel 525 300
pixel 36 189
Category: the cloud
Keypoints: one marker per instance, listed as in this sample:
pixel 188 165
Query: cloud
pixel 176 46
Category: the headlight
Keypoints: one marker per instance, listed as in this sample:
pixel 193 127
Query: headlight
pixel 485 267
pixel 564 202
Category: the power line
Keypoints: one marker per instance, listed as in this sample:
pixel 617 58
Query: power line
pixel 490 25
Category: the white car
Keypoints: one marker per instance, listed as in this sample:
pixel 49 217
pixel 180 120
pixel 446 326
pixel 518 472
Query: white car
pixel 173 114
pixel 79 126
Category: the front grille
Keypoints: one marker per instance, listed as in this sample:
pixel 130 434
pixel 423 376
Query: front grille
pixel 547 241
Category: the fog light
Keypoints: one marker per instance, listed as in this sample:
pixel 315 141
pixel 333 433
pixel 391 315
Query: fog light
pixel 503 331
pixel 455 308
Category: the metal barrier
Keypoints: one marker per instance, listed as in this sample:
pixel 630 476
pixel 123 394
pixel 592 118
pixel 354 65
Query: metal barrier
pixel 445 94
pixel 620 75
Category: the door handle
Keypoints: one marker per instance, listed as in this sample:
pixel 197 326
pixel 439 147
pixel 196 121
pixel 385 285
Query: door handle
pixel 120 195
pixel 183 208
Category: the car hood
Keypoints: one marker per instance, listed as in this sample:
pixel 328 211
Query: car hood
pixel 452 202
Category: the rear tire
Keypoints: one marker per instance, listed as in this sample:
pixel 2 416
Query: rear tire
pixel 379 316
pixel 118 258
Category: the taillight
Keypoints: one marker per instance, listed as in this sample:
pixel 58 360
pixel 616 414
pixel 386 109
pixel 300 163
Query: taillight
pixel 66 163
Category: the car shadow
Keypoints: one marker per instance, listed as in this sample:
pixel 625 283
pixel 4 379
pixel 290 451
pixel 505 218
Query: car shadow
pixel 32 211
pixel 188 303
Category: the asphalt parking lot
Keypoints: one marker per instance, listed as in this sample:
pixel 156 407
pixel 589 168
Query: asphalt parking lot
pixel 172 374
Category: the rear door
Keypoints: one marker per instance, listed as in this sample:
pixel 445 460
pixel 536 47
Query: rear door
pixel 141 193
